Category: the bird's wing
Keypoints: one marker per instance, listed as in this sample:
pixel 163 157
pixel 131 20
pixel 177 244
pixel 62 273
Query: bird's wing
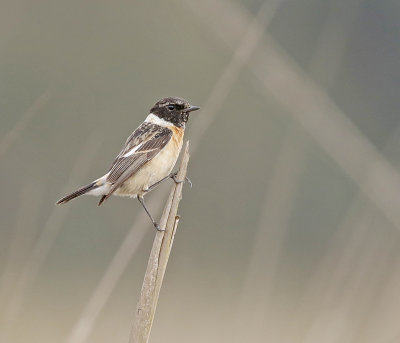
pixel 141 146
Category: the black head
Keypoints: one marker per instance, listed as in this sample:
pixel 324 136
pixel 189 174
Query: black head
pixel 173 110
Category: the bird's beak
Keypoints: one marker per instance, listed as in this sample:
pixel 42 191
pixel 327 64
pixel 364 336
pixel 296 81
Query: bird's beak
pixel 192 108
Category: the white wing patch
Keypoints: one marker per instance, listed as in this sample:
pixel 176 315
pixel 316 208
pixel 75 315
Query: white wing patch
pixel 153 119
pixel 133 150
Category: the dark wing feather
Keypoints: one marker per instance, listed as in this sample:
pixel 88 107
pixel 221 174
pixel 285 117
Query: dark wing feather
pixel 152 139
pixel 144 132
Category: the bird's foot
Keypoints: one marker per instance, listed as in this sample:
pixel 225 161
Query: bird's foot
pixel 173 176
pixel 158 228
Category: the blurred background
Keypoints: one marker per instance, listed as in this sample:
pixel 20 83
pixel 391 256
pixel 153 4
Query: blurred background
pixel 291 232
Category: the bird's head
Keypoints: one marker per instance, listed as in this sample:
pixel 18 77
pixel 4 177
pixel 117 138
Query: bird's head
pixel 173 110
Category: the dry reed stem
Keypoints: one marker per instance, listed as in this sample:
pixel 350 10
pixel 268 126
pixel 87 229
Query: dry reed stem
pixel 158 260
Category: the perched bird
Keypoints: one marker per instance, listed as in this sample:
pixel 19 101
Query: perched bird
pixel 147 157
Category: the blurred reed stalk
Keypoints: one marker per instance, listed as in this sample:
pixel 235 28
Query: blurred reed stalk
pixel 14 303
pixel 158 260
pixel 251 37
pixel 282 78
pixel 24 121
pixel 270 236
pixel 335 279
pixel 331 43
pixel 22 240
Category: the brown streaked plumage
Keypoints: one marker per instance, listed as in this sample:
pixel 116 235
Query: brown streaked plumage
pixel 148 156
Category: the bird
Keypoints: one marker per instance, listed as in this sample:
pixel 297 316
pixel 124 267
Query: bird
pixel 147 158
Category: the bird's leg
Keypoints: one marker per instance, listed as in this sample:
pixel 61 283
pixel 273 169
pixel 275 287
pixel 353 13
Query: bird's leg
pixel 141 200
pixel 173 177
pixel 154 185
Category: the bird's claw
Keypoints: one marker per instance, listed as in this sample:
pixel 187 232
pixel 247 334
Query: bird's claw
pixel 174 177
pixel 158 227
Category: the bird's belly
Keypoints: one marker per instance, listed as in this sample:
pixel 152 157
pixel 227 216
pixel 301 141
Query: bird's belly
pixel 153 171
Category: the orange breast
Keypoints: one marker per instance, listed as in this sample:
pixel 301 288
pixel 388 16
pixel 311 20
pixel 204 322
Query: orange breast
pixel 178 135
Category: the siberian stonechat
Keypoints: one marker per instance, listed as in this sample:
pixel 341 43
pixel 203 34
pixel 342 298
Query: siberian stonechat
pixel 147 157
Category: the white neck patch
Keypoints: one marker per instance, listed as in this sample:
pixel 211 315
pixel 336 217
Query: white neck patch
pixel 152 118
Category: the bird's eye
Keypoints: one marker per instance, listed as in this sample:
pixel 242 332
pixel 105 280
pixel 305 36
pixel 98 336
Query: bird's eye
pixel 171 107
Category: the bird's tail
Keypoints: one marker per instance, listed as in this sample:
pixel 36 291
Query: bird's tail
pixel 78 193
